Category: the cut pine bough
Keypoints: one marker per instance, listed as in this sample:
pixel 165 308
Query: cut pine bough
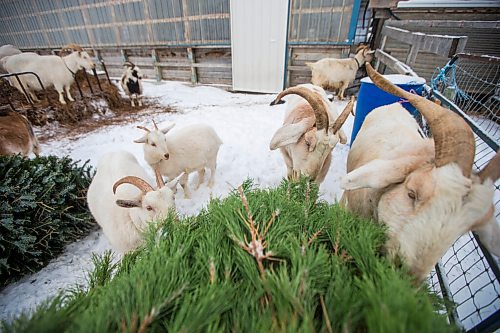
pixel 258 261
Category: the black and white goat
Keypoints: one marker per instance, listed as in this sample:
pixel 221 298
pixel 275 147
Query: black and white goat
pixel 131 82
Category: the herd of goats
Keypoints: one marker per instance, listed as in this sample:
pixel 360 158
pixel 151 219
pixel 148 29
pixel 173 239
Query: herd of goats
pixel 424 189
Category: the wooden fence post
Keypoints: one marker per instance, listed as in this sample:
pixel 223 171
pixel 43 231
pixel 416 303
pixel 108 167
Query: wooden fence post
pixel 194 76
pixel 124 55
pixel 288 72
pixel 157 68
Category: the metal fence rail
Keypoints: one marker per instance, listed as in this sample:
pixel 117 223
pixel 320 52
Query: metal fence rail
pixel 467 273
pixel 23 89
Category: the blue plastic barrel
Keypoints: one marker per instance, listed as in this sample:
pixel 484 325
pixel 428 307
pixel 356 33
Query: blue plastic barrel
pixel 371 97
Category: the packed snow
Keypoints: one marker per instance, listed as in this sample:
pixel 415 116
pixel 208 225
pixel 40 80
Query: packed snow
pixel 244 122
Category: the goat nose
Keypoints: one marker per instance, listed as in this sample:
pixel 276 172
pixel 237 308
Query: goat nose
pixel 167 156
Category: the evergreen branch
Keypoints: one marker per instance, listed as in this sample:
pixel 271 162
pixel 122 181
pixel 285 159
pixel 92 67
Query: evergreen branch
pixel 245 204
pixel 314 236
pixel 212 271
pixel 257 246
pixel 147 321
pixel 325 314
pixel 271 220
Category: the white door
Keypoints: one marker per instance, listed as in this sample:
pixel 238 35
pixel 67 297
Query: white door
pixel 258 44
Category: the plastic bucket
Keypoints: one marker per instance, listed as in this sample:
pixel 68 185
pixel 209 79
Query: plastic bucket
pixel 371 97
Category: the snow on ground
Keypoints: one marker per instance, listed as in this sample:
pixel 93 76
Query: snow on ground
pixel 244 122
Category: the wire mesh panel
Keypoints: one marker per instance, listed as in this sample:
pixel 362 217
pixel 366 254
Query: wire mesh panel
pixel 468 273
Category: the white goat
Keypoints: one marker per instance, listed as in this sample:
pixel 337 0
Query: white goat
pixel 16 135
pixel 423 189
pixel 337 74
pixel 310 131
pixel 124 211
pixel 191 148
pixel 131 83
pixel 53 71
pixel 5 51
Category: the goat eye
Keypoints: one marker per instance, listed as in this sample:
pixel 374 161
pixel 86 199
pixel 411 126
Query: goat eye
pixel 149 208
pixel 412 195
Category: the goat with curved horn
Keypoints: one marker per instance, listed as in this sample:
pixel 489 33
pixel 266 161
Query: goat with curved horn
pixel 313 99
pixel 453 138
pixel 144 129
pixel 124 212
pixel 421 188
pixel 306 140
pixel 141 184
pixel 159 178
pixel 344 115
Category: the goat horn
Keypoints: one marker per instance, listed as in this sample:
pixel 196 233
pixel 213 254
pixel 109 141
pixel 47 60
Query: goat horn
pixel 343 116
pixel 143 128
pixel 141 184
pixel 159 179
pixel 453 138
pixel 492 169
pixel 313 99
pixel 154 123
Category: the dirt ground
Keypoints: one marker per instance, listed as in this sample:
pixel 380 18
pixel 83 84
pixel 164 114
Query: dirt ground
pixel 101 105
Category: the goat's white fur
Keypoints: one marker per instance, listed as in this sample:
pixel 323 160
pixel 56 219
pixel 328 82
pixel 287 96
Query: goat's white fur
pixel 389 165
pixel 124 226
pixel 5 51
pixel 337 74
pixel 54 71
pixel 188 149
pixel 305 150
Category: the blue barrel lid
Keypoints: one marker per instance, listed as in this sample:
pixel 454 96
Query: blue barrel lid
pixel 399 79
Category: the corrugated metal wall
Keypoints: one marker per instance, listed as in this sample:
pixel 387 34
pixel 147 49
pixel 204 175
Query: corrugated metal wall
pixel 33 24
pixel 325 21
pixel 51 24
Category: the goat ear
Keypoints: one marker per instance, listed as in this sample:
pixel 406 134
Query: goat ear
pixel 380 173
pixel 488 231
pixel 291 133
pixel 168 128
pixel 143 139
pixel 128 203
pixel 173 183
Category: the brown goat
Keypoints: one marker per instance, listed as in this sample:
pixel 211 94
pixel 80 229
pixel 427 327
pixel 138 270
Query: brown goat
pixel 16 135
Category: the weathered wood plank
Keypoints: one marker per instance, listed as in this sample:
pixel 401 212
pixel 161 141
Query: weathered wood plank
pixel 438 44
pixel 394 63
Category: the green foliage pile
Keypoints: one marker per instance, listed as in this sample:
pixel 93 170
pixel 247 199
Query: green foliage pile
pixel 323 273
pixel 42 208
